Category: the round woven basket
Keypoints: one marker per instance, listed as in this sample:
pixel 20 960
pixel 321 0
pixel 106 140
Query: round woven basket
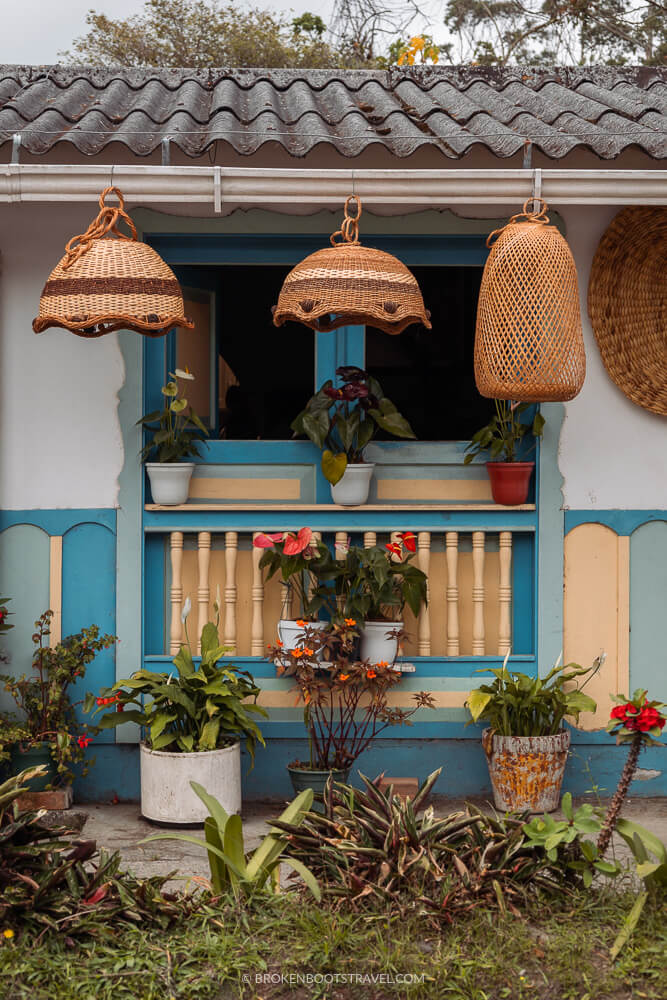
pixel 109 281
pixel 528 340
pixel 347 284
pixel 627 304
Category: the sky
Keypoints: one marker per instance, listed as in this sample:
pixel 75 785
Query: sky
pixel 35 31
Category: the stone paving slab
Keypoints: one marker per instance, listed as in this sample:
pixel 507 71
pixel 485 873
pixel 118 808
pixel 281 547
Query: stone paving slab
pixel 121 827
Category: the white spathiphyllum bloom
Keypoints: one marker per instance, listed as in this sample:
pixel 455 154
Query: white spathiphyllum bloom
pixel 184 373
pixel 187 608
pixel 217 597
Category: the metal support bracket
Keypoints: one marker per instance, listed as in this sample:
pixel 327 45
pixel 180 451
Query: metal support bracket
pixel 16 147
pixel 166 155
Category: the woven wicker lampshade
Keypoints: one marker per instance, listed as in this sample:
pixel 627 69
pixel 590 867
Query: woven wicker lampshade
pixel 347 284
pixel 528 341
pixel 627 303
pixel 109 281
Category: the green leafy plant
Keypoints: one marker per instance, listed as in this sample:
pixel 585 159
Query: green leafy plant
pixel 232 869
pixel 376 583
pixel 52 880
pixel 566 840
pixel 44 699
pixel 502 437
pixel 372 848
pixel 343 421
pixel 176 430
pixel 515 704
pixel 304 563
pixel 190 709
pixel 11 733
pixel 345 705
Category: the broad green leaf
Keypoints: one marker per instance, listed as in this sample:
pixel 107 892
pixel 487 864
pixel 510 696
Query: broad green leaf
pixel 208 738
pixel 216 810
pixel 477 702
pixel 316 426
pixel 272 846
pixel 219 877
pixel 334 466
pixel 162 741
pixel 170 389
pixel 393 423
pixel 188 839
pixel 306 875
pixel 209 638
pixel 184 663
pixel 233 846
pixel 629 925
pixel 178 405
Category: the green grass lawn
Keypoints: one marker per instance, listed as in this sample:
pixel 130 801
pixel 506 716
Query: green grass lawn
pixel 560 952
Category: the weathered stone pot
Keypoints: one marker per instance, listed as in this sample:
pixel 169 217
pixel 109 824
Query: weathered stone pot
pixel 526 771
pixel 34 755
pixel 166 794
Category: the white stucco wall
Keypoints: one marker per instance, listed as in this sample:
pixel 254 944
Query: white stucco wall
pixel 613 453
pixel 60 440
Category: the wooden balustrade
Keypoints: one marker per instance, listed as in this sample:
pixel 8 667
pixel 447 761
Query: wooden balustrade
pixel 469 613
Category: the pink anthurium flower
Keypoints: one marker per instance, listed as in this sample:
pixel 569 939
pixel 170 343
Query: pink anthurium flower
pixel 263 541
pixel 294 545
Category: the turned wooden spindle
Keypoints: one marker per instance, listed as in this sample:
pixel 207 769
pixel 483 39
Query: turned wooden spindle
pixel 203 590
pixel 452 593
pixel 505 593
pixel 231 592
pixel 424 625
pixel 176 590
pixel 478 633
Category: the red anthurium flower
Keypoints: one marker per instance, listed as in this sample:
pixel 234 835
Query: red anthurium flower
pixel 409 539
pixel 264 541
pixel 295 545
pixel 355 390
pixel 333 393
pixel 394 548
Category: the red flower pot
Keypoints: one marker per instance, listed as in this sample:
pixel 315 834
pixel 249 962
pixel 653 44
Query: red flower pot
pixel 510 481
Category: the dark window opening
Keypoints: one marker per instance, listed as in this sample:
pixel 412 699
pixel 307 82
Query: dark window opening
pixel 428 374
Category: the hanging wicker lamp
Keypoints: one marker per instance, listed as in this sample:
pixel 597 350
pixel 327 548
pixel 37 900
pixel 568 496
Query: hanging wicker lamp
pixel 110 281
pixel 349 284
pixel 529 343
pixel 627 304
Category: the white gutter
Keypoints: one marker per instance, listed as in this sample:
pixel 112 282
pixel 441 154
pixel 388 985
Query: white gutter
pixel 227 187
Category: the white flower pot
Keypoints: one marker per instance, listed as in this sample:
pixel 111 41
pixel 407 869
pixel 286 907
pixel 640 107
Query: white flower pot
pixel 377 643
pixel 352 489
pixel 170 481
pixel 289 632
pixel 166 795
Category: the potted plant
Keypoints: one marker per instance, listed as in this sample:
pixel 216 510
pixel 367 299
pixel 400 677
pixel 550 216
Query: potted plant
pixel 526 743
pixel 341 422
pixel 303 561
pixel 193 718
pixel 176 431
pixel 373 586
pixel 501 439
pixel 49 733
pixel 345 707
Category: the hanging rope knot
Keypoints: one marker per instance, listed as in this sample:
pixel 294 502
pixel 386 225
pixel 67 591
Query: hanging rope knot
pixel 539 214
pixel 106 222
pixel 349 230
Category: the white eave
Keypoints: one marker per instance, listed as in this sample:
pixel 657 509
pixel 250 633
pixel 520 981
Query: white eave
pixel 223 188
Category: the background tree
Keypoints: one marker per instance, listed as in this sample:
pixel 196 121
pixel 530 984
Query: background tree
pixel 202 33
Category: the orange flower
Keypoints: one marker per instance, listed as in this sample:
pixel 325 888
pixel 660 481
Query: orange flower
pixel 279 642
pixel 308 652
pixel 343 677
pixel 301 623
pixel 297 653
pixel 382 663
pixel 371 674
pixel 350 622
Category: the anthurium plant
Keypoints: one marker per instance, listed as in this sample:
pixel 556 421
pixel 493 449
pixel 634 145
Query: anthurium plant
pixel 176 430
pixel 343 420
pixel 192 708
pixel 304 563
pixel 501 438
pixel 47 712
pixel 345 706
pixel 515 704
pixel 375 584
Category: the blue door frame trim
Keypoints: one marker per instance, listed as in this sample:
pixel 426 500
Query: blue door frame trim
pixel 59 521
pixel 623 522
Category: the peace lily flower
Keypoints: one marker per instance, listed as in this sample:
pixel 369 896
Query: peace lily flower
pixel 184 373
pixel 187 608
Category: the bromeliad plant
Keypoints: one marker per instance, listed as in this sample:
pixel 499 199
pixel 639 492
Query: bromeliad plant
pixel 371 848
pixel 191 708
pixel 515 704
pixel 304 563
pixel 375 584
pixel 231 867
pixel 44 698
pixel 343 421
pixel 345 706
pixel 501 438
pixel 176 430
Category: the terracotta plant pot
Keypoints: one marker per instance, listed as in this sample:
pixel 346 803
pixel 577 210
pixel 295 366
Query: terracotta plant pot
pixel 526 771
pixel 510 481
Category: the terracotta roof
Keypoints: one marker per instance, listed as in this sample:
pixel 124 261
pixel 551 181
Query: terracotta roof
pixel 604 109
